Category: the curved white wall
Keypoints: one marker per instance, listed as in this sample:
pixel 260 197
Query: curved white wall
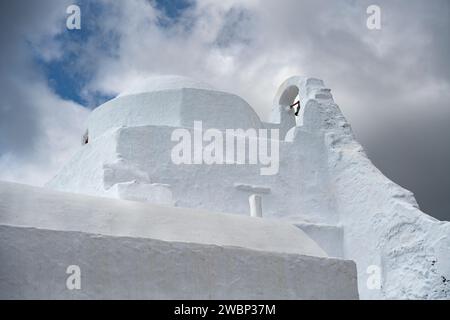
pixel 174 108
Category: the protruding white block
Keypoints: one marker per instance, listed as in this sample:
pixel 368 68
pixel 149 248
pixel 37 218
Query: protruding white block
pixel 255 202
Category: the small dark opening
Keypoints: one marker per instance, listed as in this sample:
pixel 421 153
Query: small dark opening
pixel 85 138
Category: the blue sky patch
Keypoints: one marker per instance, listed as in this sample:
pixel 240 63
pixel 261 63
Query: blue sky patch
pixel 69 75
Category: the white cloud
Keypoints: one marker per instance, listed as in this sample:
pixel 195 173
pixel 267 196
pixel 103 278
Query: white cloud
pixel 38 130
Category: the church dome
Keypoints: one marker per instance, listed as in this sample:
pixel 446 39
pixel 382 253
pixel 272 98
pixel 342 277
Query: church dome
pixel 166 82
pixel 173 101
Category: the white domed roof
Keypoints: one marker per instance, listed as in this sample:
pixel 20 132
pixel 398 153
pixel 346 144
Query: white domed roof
pixel 173 101
pixel 165 82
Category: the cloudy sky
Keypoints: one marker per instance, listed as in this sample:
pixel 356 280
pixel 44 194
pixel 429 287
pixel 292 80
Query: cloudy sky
pixel 392 84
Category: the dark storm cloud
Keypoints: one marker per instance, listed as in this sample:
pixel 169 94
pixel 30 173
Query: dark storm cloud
pixel 15 111
pixel 401 112
pixel 19 117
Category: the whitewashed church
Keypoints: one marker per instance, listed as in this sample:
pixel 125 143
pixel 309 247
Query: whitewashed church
pixel 315 220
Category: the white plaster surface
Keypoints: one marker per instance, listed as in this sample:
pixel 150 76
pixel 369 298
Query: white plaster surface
pixel 34 262
pixel 26 206
pixel 163 83
pixel 328 237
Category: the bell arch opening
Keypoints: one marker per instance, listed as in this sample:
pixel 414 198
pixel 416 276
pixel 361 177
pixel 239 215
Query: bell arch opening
pixel 289 96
